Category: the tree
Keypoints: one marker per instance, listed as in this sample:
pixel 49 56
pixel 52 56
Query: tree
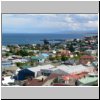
pixel 58 58
pixel 51 58
pixel 76 57
pixel 19 64
pixel 71 48
pixel 22 53
pixel 64 58
pixel 30 53
pixel 7 54
pixel 33 63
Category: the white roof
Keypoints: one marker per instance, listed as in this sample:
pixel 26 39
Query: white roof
pixel 68 69
pixel 19 60
pixel 72 69
pixel 7 80
pixel 93 74
pixel 38 68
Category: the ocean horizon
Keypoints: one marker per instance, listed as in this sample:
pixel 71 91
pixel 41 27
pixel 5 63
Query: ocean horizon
pixel 26 38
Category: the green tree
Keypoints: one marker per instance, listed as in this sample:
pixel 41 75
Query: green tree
pixel 64 58
pixel 19 64
pixel 58 58
pixel 51 58
pixel 7 54
pixel 71 48
pixel 22 53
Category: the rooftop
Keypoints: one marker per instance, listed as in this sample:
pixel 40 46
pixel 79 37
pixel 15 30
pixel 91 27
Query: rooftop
pixel 88 79
pixel 37 57
pixel 87 56
pixel 73 69
pixel 37 68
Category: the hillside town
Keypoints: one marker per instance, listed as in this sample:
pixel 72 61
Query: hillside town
pixel 71 62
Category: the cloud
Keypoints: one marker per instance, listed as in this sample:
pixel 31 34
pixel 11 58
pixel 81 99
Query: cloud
pixel 48 22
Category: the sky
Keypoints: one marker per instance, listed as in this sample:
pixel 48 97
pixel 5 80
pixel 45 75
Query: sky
pixel 49 23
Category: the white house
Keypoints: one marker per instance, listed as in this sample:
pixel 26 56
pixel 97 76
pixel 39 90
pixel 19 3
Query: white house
pixel 91 52
pixel 4 48
pixel 19 60
pixel 41 70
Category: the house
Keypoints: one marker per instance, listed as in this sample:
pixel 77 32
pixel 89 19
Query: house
pixel 88 81
pixel 91 52
pixel 4 48
pixel 59 81
pixel 41 81
pixel 39 59
pixel 22 60
pixel 16 57
pixel 95 64
pixel 34 71
pixel 42 70
pixel 7 63
pixel 70 62
pixel 45 55
pixel 82 78
pixel 93 74
pixel 24 74
pixel 86 58
pixel 66 53
pixel 69 69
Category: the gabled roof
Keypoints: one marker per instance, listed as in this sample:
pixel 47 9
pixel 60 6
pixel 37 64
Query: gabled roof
pixel 38 68
pixel 87 56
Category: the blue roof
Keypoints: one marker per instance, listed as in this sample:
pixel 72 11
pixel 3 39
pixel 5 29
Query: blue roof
pixel 45 54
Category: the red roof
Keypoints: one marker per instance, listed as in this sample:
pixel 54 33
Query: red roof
pixel 36 82
pixel 75 76
pixel 87 56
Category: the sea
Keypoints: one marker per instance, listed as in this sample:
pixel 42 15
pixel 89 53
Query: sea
pixel 11 39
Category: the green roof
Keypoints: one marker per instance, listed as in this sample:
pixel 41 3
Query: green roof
pixel 88 79
pixel 33 57
pixel 37 58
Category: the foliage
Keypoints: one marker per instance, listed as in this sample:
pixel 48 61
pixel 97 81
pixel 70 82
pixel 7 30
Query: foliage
pixel 71 48
pixel 64 58
pixel 51 58
pixel 22 53
pixel 19 64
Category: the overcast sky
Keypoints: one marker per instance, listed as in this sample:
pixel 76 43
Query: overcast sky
pixel 49 23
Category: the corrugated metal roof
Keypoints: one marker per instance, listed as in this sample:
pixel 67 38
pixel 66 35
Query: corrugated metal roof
pixel 72 69
pixel 38 68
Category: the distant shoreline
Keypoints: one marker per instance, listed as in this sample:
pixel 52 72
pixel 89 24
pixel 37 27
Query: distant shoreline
pixel 11 39
pixel 53 33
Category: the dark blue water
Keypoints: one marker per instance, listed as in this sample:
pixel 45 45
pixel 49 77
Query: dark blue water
pixel 9 39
